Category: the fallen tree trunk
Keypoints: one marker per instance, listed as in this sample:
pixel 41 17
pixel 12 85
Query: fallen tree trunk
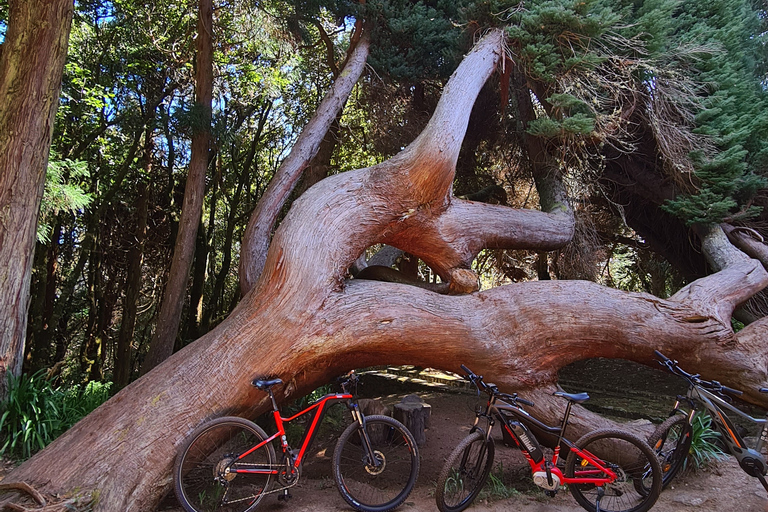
pixel 305 322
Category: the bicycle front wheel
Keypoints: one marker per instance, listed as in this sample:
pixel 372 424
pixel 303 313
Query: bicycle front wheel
pixel 637 484
pixel 464 473
pixel 205 477
pixel 671 441
pixel 379 480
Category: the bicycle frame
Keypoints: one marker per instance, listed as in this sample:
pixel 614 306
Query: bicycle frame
pixel 708 394
pixel 532 451
pixel 733 441
pixel 309 435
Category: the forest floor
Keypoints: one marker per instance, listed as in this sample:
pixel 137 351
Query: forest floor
pixel 721 487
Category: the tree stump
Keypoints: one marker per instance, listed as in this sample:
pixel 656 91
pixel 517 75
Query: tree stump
pixel 414 414
pixel 370 407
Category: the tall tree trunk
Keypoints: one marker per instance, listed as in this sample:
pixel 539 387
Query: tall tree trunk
pixel 183 253
pixel 305 322
pixel 123 364
pixel 31 66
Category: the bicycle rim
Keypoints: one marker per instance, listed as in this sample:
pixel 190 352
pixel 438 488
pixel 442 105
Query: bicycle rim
pixel 638 475
pixel 464 473
pixel 384 483
pixel 671 441
pixel 201 481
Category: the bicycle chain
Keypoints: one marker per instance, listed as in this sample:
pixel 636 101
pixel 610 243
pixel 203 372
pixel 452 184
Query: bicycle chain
pixel 272 466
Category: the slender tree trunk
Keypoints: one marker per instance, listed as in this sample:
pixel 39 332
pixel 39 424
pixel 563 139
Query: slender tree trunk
pixel 173 300
pixel 123 364
pixel 31 66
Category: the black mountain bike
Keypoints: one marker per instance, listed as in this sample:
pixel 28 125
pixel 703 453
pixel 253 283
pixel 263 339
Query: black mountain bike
pixel 229 464
pixel 605 470
pixel 672 439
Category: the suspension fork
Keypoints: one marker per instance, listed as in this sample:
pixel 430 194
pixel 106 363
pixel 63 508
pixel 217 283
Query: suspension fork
pixel 359 418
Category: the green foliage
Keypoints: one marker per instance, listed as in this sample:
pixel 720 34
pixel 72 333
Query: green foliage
pixel 62 193
pixel 544 127
pixel 495 488
pixel 726 187
pixel 553 37
pixel 735 109
pixel 415 40
pixel 704 448
pixel 35 413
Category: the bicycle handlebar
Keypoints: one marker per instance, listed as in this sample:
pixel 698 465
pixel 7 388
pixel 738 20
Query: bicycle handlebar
pixel 348 379
pixel 695 379
pixel 492 389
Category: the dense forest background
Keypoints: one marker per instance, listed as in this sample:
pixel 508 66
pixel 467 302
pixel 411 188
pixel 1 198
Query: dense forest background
pixel 697 144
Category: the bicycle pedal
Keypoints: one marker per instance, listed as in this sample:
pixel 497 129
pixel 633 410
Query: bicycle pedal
pixel 551 494
pixel 284 497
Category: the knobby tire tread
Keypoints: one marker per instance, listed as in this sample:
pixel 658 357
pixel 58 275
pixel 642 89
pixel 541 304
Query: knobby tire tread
pixel 453 461
pixel 225 421
pixel 648 494
pixel 371 422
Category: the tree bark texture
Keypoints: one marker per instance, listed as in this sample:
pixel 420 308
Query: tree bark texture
pixel 169 318
pixel 31 66
pixel 304 322
pixel 256 240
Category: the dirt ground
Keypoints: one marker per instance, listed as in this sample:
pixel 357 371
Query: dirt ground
pixel 721 488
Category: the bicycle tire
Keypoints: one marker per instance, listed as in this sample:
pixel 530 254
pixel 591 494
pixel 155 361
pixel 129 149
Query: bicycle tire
pixel 671 441
pixel 368 487
pixel 199 482
pixel 638 482
pixel 464 473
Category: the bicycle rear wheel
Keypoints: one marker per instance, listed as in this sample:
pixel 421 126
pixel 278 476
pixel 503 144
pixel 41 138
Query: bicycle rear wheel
pixel 384 483
pixel 202 475
pixel 671 441
pixel 638 475
pixel 464 473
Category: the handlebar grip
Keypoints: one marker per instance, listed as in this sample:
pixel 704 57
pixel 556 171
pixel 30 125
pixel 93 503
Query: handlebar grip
pixel 466 370
pixel 763 390
pixel 525 402
pixel 732 391
pixel 661 356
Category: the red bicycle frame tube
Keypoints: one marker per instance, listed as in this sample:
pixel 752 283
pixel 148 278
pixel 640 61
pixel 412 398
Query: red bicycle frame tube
pixel 280 423
pixel 599 467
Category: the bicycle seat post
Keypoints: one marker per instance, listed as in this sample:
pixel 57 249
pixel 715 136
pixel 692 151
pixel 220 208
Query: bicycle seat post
pixel 565 421
pixel 272 397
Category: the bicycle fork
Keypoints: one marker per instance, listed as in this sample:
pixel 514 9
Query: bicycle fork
pixel 373 462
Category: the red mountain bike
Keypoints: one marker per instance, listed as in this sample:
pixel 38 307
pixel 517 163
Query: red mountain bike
pixel 229 464
pixel 606 470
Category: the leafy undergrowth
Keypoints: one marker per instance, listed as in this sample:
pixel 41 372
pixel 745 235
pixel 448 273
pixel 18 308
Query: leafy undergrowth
pixel 35 413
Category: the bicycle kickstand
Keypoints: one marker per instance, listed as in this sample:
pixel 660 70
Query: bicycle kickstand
pixel 762 481
pixel 600 494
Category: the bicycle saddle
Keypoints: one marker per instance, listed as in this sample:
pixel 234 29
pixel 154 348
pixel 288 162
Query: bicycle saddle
pixel 264 384
pixel 573 397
